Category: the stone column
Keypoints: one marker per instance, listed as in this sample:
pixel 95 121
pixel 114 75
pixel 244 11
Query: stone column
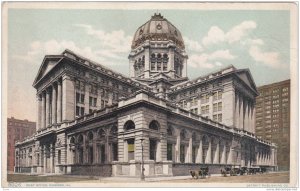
pixel 253 119
pixel 217 154
pixel 147 62
pixel 177 149
pixel 158 152
pixel 51 158
pixel 171 61
pixel 246 119
pixel 208 156
pixel 223 157
pixel 54 104
pixel 43 111
pixel 99 99
pixel 39 112
pixel 59 101
pixel 86 98
pixel 47 108
pixel 241 122
pixel 45 159
pixel 68 99
pixel 189 151
pixel 229 159
pixel 199 153
pixel 237 111
pixel 184 67
pixel 110 98
pixel 125 151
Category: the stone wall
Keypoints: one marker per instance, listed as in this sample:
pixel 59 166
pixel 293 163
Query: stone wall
pixel 92 170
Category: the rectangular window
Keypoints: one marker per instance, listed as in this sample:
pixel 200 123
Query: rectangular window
pixel 152 150
pixel 169 151
pixel 215 107
pixel 220 106
pixel 82 98
pixel 194 150
pixel 59 157
pixel 182 153
pixel 215 117
pixel 220 117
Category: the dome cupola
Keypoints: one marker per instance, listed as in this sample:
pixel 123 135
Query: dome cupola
pixel 157 28
pixel 157 50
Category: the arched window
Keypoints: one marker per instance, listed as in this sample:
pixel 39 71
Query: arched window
pixel 158 55
pixel 183 134
pixel 80 139
pixel 154 125
pixel 114 131
pixel 72 140
pixel 90 136
pixel 129 125
pixel 194 137
pixel 170 131
pixel 101 133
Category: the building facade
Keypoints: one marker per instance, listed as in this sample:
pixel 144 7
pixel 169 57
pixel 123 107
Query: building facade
pixel 17 130
pixel 273 119
pixel 92 120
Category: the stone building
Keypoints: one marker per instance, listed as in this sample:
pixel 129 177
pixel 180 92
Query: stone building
pixel 273 119
pixel 17 130
pixel 92 120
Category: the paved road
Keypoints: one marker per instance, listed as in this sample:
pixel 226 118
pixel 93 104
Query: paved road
pixel 278 177
pixel 258 178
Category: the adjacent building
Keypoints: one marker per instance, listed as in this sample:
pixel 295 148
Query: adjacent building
pixel 95 121
pixel 17 130
pixel 273 119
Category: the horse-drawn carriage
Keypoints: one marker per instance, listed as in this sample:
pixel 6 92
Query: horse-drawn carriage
pixel 202 173
pixel 235 171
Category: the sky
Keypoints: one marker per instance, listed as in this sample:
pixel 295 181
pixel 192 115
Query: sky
pixel 256 39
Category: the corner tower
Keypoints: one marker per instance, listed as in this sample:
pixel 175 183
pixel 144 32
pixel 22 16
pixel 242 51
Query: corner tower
pixel 158 51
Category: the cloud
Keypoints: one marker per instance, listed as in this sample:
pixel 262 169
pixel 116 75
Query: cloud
pixel 116 41
pixel 216 35
pixel 239 31
pixel 210 60
pixel 270 59
pixel 37 50
pixel 192 45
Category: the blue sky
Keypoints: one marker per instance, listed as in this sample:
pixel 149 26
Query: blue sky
pixel 257 39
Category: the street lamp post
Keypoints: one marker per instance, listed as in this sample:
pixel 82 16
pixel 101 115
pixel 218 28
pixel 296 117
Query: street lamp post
pixel 143 169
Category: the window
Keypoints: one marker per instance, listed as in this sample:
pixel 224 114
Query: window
pixel 182 153
pixel 204 98
pixel 152 149
pixel 169 151
pixel 79 111
pixel 194 150
pixel 154 125
pixel 93 101
pixel 129 125
pixel 220 106
pixel 59 157
pixel 79 98
pixel 215 107
pixel 170 131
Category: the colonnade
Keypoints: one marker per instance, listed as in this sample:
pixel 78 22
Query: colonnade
pixel 50 105
pixel 244 115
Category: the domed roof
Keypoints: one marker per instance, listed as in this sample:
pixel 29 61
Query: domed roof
pixel 157 29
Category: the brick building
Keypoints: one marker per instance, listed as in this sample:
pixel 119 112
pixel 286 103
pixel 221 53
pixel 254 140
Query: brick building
pixel 16 130
pixel 273 118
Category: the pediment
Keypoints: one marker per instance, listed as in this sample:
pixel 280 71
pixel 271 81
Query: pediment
pixel 246 76
pixel 48 63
